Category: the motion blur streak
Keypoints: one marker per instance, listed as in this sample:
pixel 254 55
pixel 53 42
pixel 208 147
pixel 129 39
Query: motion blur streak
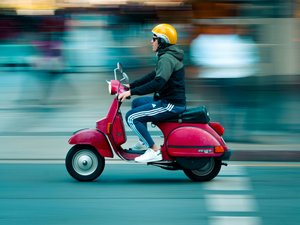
pixel 240 60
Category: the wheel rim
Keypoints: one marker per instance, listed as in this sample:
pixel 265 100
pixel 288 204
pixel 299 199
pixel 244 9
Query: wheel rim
pixel 85 162
pixel 206 169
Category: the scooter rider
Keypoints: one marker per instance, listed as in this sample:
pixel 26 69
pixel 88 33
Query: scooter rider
pixel 168 85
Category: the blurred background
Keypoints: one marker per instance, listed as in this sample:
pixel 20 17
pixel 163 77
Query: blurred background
pixel 241 58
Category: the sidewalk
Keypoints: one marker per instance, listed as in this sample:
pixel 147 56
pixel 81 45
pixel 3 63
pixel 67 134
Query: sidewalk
pixel 55 148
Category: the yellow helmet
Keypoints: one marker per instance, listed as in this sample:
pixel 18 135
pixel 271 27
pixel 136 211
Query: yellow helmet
pixel 166 32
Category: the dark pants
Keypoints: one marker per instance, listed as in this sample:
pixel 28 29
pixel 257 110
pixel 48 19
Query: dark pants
pixel 145 109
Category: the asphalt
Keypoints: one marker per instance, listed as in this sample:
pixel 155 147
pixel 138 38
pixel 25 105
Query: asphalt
pixel 33 131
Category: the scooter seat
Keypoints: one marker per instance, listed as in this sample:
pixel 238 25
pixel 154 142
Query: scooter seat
pixel 193 115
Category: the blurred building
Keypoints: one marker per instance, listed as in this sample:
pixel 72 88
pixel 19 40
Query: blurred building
pixel 109 27
pixel 259 90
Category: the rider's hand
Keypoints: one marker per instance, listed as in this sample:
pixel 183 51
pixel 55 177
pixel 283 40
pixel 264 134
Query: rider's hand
pixel 124 95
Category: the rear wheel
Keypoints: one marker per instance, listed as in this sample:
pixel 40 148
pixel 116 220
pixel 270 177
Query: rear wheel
pixel 207 172
pixel 84 163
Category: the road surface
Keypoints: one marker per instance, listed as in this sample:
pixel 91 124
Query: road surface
pixel 244 193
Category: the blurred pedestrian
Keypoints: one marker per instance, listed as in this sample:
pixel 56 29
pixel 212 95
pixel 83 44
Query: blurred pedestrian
pixel 49 62
pixel 227 54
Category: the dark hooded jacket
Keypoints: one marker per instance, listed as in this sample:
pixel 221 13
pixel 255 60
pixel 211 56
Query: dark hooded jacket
pixel 167 80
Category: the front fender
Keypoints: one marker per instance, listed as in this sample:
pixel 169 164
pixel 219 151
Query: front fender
pixel 94 138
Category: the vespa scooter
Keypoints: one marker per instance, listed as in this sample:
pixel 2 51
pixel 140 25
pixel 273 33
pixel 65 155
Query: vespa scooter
pixel 191 142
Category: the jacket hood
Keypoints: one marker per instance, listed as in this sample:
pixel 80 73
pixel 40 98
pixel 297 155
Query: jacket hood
pixel 172 50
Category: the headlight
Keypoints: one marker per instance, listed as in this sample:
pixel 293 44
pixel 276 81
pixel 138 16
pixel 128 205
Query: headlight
pixel 113 87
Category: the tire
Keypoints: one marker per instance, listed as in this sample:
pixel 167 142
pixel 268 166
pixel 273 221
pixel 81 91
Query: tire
pixel 206 173
pixel 84 163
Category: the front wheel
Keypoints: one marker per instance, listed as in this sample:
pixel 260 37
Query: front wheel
pixel 207 172
pixel 84 163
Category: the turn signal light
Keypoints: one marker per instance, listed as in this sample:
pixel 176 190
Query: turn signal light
pixel 218 149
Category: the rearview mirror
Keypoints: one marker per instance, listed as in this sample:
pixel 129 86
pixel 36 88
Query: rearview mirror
pixel 120 68
pixel 126 78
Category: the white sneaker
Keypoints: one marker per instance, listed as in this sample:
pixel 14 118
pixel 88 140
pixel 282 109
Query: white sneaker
pixel 149 156
pixel 139 146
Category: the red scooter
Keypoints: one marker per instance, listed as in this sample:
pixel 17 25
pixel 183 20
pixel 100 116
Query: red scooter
pixel 191 142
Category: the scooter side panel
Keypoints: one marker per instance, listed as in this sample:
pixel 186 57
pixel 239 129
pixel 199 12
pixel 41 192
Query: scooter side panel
pixel 192 142
pixel 94 138
pixel 118 131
